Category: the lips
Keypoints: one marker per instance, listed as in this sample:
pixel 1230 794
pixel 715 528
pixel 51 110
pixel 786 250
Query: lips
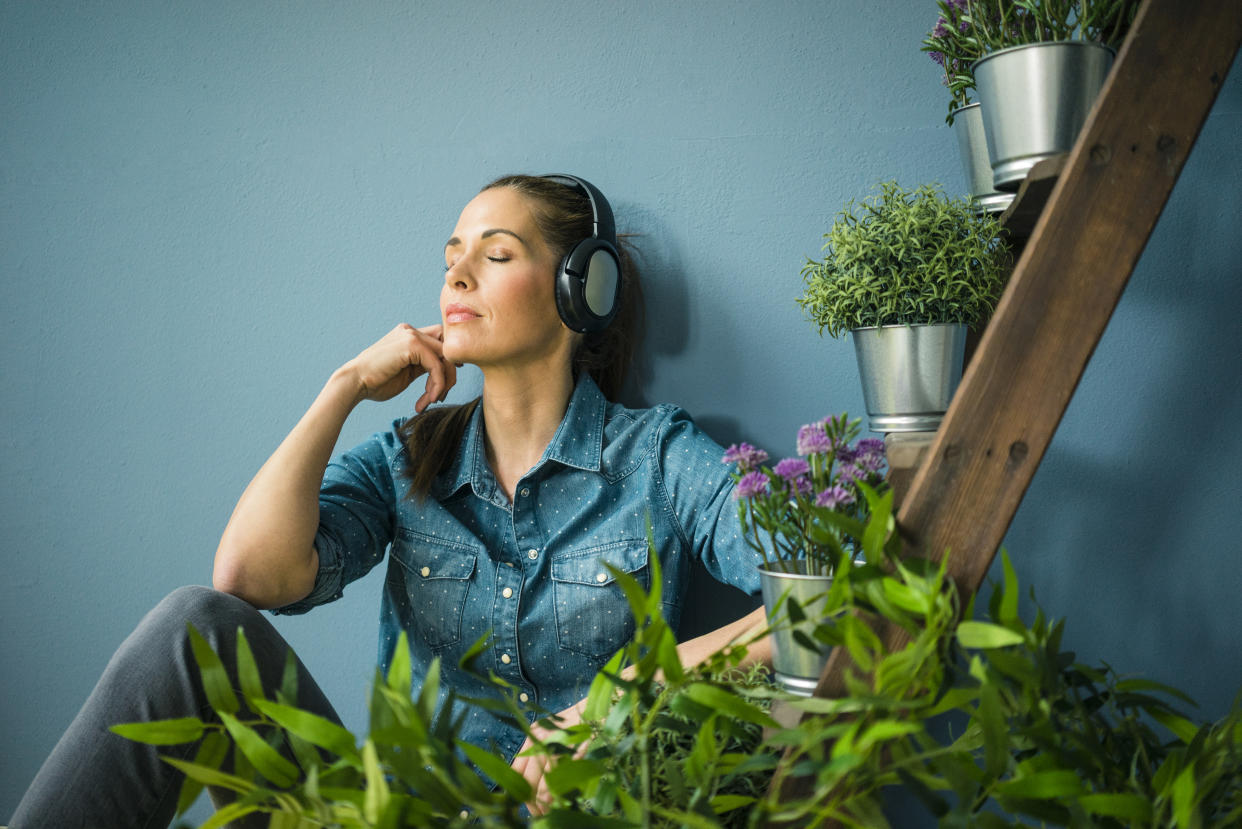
pixel 456 313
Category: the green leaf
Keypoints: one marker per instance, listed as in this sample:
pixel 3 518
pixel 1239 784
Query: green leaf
pixel 599 698
pixel 313 728
pixel 399 676
pixel 1125 806
pixel 669 659
pixel 211 753
pixel 211 776
pixel 1182 727
pixel 162 732
pixel 1042 785
pixel 378 793
pixel 729 703
pixel 1184 797
pixel 266 760
pixel 514 784
pixel 216 682
pixel 289 679
pixel 248 669
pixel 472 653
pixel 722 803
pixel 974 634
pixel 229 813
pixel 1009 600
pixel 906 597
pixel 570 774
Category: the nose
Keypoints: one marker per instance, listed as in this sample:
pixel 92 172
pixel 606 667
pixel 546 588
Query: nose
pixel 458 275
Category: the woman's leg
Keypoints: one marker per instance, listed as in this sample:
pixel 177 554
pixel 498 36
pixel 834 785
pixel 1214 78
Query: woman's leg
pixel 94 778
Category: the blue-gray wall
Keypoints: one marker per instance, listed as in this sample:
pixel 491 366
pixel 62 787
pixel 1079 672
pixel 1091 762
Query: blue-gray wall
pixel 206 207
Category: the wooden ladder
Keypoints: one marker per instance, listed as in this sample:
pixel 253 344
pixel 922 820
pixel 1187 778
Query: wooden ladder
pixel 1063 290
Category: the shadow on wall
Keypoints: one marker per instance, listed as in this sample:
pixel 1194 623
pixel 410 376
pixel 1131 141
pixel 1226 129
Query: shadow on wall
pixel 709 604
pixel 1129 541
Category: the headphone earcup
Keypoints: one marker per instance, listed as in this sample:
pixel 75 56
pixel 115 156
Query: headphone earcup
pixel 588 286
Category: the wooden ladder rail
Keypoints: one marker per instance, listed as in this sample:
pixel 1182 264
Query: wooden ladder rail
pixel 1063 290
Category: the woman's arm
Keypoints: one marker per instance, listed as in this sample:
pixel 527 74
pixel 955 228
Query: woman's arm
pixel 266 554
pixel 697 650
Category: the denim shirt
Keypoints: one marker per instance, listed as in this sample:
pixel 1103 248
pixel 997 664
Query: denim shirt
pixel 465 560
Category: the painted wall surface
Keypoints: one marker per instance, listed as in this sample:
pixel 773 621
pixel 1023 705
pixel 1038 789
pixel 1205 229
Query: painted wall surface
pixel 205 208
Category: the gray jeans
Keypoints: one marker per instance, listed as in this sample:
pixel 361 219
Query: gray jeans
pixel 96 779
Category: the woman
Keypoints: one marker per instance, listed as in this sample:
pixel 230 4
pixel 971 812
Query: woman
pixel 498 514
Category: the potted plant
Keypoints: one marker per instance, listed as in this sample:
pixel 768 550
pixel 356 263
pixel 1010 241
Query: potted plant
pixel 906 272
pixel 791 514
pixel 951 46
pixel 1044 740
pixel 1043 64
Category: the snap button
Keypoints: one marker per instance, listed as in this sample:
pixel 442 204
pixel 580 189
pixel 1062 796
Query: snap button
pixel 524 697
pixel 504 657
pixel 532 554
pixel 525 491
pixel 425 572
pixel 601 577
pixel 507 592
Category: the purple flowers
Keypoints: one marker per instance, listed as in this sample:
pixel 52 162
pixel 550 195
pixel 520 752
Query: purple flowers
pixel 750 485
pixel 834 497
pixel 783 508
pixel 745 456
pixel 791 469
pixel 813 438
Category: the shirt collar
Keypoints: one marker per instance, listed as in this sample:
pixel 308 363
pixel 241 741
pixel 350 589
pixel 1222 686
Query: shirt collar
pixel 578 442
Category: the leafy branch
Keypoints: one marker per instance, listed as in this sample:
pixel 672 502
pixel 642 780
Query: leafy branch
pixel 905 257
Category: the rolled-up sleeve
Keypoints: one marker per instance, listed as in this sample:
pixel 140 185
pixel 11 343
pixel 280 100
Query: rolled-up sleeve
pixel 357 507
pixel 701 491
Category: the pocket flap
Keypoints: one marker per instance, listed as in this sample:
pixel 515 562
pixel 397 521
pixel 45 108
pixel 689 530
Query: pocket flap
pixel 587 566
pixel 434 560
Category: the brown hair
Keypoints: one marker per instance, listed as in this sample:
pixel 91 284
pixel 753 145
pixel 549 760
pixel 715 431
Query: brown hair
pixel 563 216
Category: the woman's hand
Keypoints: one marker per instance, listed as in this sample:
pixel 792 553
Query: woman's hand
pixel 534 767
pixel 404 354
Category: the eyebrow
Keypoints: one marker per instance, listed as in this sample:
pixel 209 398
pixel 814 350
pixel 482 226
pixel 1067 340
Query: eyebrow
pixel 489 232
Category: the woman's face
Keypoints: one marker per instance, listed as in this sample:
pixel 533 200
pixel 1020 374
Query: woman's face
pixel 498 305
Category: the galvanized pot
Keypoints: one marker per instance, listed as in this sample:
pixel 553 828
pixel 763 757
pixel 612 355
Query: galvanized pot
pixel 1035 99
pixel 972 144
pixel 909 374
pixel 796 667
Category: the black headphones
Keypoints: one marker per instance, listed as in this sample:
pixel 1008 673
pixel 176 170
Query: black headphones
pixel 588 283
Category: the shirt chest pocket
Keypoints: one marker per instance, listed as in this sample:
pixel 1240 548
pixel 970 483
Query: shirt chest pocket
pixel 592 615
pixel 432 579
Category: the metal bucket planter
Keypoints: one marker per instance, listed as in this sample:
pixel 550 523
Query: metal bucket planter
pixel 796 667
pixel 972 144
pixel 1035 99
pixel 909 374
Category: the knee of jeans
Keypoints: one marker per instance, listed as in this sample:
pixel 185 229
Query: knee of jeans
pixel 203 607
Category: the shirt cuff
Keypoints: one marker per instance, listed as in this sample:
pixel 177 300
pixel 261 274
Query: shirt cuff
pixel 327 581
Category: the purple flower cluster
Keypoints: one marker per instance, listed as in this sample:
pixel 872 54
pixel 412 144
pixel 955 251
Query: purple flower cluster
pixel 791 469
pixel 834 497
pixel 750 485
pixel 745 456
pixel 813 439
pixel 866 456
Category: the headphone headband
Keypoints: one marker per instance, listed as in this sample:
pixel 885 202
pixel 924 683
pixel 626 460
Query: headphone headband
pixel 602 224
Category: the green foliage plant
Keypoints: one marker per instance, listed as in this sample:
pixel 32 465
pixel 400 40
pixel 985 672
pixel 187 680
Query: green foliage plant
pixel 906 257
pixel 967 30
pixel 986 722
